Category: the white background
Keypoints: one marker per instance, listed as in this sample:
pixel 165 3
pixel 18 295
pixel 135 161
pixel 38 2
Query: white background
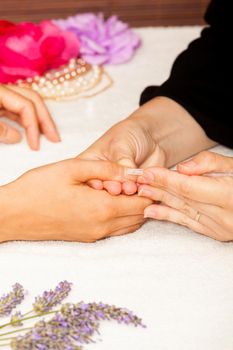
pixel 179 282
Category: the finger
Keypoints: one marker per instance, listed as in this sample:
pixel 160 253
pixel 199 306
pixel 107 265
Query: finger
pixel 199 188
pixel 113 187
pixel 96 184
pixel 130 205
pixel 168 199
pixel 85 170
pixel 164 213
pixel 8 134
pixel 206 162
pixel 20 105
pixel 157 158
pixel 9 115
pixel 122 154
pixel 129 188
pixel 219 217
pixel 46 122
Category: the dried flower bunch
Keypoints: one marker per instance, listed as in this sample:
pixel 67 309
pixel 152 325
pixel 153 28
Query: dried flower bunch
pixel 71 326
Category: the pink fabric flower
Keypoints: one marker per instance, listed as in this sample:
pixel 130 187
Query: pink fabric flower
pixel 28 49
pixel 101 41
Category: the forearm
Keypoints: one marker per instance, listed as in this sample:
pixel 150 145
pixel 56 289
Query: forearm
pixel 173 128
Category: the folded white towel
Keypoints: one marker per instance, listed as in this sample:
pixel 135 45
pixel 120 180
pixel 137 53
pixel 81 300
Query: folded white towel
pixel 179 282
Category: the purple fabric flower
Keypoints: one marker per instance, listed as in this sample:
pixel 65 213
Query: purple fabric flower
pixel 102 42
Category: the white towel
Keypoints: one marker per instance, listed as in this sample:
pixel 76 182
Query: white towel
pixel 179 282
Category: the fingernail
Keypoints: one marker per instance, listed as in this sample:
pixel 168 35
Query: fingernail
pixel 35 145
pixel 136 172
pixel 148 214
pixel 145 193
pixel 54 136
pixel 147 177
pixel 189 164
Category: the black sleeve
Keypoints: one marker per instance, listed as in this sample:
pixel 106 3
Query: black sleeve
pixel 201 78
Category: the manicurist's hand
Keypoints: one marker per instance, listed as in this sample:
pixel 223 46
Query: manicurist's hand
pixel 54 203
pixel 25 107
pixel 161 132
pixel 190 198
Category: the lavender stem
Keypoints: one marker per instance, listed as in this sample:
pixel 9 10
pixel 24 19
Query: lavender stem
pixel 28 318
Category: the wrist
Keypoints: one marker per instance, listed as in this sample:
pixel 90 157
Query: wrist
pixel 174 130
pixel 6 233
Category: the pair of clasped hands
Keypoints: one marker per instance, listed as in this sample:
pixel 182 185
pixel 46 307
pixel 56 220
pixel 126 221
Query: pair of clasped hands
pixel 95 195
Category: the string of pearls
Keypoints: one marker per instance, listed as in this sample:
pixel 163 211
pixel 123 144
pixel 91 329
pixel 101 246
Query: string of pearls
pixel 68 81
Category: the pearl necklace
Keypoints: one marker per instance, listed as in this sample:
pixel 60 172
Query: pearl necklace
pixel 69 81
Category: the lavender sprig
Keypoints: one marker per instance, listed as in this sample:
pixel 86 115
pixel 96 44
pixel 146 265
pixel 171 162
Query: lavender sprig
pixel 72 327
pixel 16 319
pixel 9 301
pixel 51 298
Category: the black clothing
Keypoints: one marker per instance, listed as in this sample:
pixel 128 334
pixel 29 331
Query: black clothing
pixel 201 78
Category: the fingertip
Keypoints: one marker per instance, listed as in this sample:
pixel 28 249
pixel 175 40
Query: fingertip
pixel 129 188
pixel 52 134
pixel 96 184
pixel 113 187
pixel 149 212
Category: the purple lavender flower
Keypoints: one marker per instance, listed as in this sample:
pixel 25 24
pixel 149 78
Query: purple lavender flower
pixel 51 298
pixel 102 42
pixel 9 301
pixel 16 319
pixel 72 327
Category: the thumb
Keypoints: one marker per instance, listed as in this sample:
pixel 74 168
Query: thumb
pixel 8 134
pixel 126 162
pixel 85 170
pixel 206 162
pixel 123 155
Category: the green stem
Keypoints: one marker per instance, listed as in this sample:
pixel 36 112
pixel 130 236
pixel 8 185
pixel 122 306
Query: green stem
pixel 27 313
pixel 5 345
pixel 29 318
pixel 17 330
pixel 6 339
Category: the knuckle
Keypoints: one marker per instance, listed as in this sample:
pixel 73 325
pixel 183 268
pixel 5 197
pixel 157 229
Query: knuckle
pixel 162 180
pixel 28 106
pixel 163 196
pixel 185 208
pixel 185 188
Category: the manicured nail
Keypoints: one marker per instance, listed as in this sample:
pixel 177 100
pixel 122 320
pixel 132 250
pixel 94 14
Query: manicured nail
pixel 147 177
pixel 148 214
pixel 145 193
pixel 136 172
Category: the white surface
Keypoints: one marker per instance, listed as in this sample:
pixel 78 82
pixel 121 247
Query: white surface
pixel 179 282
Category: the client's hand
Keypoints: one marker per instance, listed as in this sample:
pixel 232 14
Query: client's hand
pixel 204 204
pixel 54 203
pixel 160 133
pixel 26 108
